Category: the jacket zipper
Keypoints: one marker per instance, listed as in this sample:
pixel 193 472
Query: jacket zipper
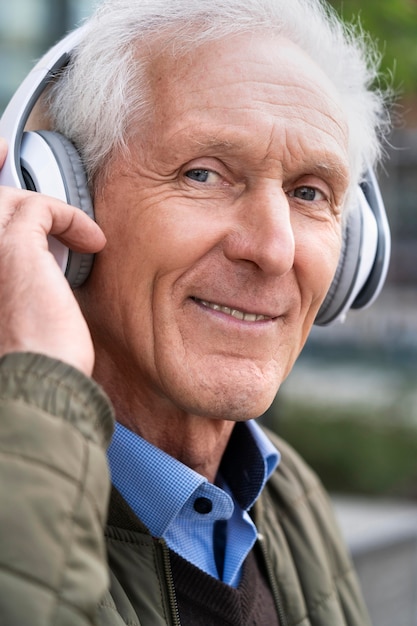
pixel 170 585
pixel 274 586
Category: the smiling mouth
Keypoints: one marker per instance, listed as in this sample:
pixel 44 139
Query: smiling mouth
pixel 240 315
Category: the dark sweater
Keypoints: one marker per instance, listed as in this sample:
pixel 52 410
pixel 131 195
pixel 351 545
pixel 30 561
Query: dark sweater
pixel 206 601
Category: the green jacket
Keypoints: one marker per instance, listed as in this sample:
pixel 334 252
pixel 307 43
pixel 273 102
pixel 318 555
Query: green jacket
pixel 66 560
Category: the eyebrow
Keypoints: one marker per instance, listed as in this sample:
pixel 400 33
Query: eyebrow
pixel 332 167
pixel 220 145
pixel 327 165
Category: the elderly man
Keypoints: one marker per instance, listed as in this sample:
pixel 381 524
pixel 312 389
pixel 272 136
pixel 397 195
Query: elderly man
pixel 222 143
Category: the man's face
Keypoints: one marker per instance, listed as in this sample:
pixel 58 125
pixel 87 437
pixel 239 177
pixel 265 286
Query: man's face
pixel 223 229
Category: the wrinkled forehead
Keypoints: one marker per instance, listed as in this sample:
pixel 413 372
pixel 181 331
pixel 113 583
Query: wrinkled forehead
pixel 247 90
pixel 267 68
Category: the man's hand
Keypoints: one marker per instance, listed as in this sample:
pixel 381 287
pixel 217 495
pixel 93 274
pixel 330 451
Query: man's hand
pixel 37 307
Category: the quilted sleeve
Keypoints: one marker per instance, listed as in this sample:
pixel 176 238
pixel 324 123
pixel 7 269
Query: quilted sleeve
pixel 304 547
pixel 55 424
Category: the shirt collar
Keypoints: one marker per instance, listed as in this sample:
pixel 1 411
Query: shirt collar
pixel 157 486
pixel 248 462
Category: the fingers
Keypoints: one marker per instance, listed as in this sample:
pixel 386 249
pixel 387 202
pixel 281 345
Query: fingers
pixel 27 214
pixel 38 310
pixel 48 216
pixel 77 230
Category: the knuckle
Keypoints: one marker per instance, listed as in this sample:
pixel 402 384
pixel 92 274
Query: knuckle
pixel 16 207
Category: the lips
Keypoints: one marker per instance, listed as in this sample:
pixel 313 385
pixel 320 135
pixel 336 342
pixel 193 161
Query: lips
pixel 236 313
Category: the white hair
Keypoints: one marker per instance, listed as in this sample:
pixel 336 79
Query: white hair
pixel 104 92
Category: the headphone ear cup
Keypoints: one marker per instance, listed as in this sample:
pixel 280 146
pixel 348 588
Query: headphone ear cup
pixel 344 279
pixel 77 194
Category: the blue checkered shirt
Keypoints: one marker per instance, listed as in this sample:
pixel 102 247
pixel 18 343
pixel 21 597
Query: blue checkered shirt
pixel 181 506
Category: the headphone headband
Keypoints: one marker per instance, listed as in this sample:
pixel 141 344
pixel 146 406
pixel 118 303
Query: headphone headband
pixel 16 114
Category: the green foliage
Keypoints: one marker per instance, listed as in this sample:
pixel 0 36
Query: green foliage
pixel 393 26
pixel 352 453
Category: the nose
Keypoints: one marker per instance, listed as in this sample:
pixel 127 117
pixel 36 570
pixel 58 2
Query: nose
pixel 263 233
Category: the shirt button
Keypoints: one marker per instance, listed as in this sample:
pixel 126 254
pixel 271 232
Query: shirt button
pixel 203 505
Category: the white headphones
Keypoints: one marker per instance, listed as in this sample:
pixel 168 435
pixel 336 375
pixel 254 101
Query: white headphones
pixel 47 162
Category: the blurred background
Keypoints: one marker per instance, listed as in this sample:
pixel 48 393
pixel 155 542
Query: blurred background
pixel 350 405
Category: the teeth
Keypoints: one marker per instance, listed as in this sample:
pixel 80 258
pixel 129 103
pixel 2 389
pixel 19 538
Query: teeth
pixel 240 315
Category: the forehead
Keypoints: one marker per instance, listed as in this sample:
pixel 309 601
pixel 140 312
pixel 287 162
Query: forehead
pixel 244 90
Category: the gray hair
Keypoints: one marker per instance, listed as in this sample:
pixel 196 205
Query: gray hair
pixel 104 93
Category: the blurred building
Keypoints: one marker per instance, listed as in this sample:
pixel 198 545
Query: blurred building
pixel 399 186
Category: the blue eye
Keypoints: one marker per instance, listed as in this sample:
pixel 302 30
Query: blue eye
pixel 305 193
pixel 201 176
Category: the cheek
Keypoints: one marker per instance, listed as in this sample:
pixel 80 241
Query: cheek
pixel 315 266
pixel 162 229
pixel 317 255
pixel 167 247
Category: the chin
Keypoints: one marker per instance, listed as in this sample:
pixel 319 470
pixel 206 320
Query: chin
pixel 221 386
pixel 238 409
pixel 235 400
